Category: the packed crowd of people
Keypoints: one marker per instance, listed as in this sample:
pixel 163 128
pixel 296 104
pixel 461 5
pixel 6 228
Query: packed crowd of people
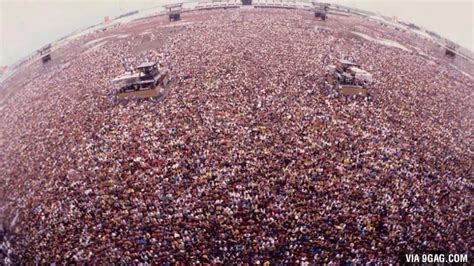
pixel 245 158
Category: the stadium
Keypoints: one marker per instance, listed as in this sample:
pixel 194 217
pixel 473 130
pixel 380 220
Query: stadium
pixel 248 154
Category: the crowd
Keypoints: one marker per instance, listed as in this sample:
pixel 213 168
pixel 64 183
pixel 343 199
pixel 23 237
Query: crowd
pixel 245 158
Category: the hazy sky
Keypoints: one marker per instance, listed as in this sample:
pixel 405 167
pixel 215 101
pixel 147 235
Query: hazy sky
pixel 451 19
pixel 26 25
